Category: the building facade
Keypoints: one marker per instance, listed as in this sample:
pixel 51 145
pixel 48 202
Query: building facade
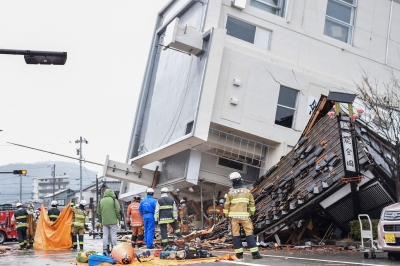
pixel 242 101
pixel 44 186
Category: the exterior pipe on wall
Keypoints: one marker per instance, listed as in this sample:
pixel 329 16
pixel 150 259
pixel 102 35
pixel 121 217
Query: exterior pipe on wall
pixel 388 35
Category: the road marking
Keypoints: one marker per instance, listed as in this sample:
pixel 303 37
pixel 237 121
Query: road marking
pixel 334 261
pixel 297 258
pixel 242 263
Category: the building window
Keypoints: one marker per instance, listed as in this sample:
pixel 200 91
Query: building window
pixel 277 7
pixel 61 202
pixel 226 163
pixel 339 19
pixel 248 32
pixel 286 107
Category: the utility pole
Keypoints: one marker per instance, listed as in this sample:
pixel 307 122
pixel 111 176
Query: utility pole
pixel 79 152
pixel 20 188
pixel 54 179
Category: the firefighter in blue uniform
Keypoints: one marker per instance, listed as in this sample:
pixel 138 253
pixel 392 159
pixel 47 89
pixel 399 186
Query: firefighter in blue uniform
pixel 53 212
pixel 19 220
pixel 166 213
pixel 147 208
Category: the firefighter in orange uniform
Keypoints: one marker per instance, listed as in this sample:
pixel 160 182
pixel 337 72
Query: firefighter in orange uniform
pixel 214 212
pixel 133 216
pixel 183 213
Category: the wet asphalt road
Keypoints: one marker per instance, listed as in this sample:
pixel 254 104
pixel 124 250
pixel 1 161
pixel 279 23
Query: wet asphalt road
pixel 281 258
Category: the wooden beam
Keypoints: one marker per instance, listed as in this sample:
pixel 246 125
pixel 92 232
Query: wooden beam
pixel 155 178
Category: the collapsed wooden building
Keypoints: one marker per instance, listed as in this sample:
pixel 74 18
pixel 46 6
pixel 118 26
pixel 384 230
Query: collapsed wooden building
pixel 307 190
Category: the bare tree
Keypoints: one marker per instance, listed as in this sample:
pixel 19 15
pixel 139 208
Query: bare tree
pixel 383 119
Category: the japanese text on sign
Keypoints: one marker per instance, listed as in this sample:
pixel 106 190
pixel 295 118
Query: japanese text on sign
pixel 347 143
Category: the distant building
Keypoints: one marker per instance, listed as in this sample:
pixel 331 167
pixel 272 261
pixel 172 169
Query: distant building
pixel 43 186
pixel 90 191
pixel 63 197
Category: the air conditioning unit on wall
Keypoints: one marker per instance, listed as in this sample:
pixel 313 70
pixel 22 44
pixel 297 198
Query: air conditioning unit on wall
pixel 239 4
pixel 184 38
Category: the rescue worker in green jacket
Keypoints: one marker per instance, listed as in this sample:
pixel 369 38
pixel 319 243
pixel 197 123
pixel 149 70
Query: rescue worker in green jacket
pixel 78 224
pixel 239 206
pixel 19 220
pixel 166 213
pixel 53 212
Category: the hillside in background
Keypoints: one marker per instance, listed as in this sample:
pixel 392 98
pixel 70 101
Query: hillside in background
pixel 10 183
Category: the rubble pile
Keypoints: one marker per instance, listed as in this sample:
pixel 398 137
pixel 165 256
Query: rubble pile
pixel 307 193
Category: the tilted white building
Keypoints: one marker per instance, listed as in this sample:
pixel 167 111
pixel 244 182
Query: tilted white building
pixel 238 94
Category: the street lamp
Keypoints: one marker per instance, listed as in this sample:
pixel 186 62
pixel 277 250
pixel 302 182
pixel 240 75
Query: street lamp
pixel 39 57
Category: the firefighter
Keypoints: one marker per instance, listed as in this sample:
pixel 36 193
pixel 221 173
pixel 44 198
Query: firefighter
pixel 19 220
pixel 239 206
pixel 183 217
pixel 53 212
pixel 78 224
pixel 147 208
pixel 166 213
pixel 31 230
pixel 134 217
pixel 214 212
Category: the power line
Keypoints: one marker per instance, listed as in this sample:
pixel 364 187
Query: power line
pixel 54 153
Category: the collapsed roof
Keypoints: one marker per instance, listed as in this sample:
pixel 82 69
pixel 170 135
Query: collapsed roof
pixel 311 176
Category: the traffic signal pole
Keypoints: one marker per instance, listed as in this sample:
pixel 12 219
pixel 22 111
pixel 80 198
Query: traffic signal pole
pixel 20 188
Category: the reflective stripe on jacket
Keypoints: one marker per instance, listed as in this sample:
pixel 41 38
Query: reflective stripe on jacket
pixel 166 211
pixel 239 203
pixel 21 216
pixel 53 213
pixel 79 217
pixel 133 214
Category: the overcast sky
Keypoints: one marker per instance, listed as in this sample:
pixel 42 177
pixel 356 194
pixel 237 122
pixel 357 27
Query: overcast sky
pixel 94 95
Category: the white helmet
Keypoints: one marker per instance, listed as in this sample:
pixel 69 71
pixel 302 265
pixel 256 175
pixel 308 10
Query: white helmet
pixel 82 202
pixel 221 201
pixel 54 203
pixel 19 204
pixel 182 201
pixel 164 190
pixel 150 190
pixel 235 176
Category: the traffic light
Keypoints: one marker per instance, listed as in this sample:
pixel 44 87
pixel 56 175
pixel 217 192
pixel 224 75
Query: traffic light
pixel 20 172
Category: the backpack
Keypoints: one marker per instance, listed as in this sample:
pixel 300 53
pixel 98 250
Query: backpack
pixel 97 259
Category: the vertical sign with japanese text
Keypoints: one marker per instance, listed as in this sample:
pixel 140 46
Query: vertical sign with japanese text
pixel 347 142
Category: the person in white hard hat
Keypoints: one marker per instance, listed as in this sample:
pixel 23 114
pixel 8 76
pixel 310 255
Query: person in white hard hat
pixel 183 217
pixel 147 208
pixel 19 220
pixel 166 213
pixel 53 212
pixel 239 206
pixel 78 224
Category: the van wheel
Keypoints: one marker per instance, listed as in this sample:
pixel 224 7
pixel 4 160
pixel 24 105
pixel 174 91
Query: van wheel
pixel 2 237
pixel 366 255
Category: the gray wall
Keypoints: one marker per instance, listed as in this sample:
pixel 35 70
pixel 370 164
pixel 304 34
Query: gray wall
pixel 173 93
